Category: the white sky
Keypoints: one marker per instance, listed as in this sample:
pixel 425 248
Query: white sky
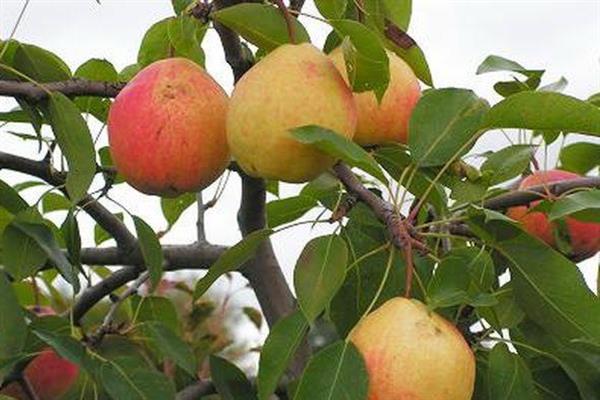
pixel 562 37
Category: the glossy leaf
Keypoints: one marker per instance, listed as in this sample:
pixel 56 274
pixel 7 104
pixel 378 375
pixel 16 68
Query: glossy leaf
pixel 337 372
pixel 232 259
pixel 262 25
pixel 278 350
pixel 75 141
pixel 230 381
pixel 319 273
pixel 509 378
pixel 151 249
pixel 339 146
pixel 545 111
pixel 367 63
pixel 13 330
pixel 444 124
pixel 282 211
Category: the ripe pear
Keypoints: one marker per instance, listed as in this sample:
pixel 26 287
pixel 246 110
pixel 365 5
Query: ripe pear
pixel 166 129
pixel 293 86
pixel 584 237
pixel 412 353
pixel 387 121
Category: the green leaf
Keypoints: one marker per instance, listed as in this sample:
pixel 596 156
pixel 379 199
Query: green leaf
pixel 548 287
pixel 129 72
pixel 413 56
pixel 75 142
pixel 337 372
pixel 509 378
pixel 232 259
pixel 544 111
pixel 367 64
pixel 155 44
pixel 395 11
pixel 584 206
pixel 507 163
pixel 449 284
pixel 97 69
pixel 21 255
pixel 151 250
pixel 55 202
pixel 339 146
pixel 100 235
pixel 172 208
pixel 186 34
pixel 282 211
pixel 331 9
pixel 72 238
pixel 171 346
pixel 44 238
pixel 580 157
pixel 319 273
pixel 154 308
pixel 230 381
pixel 13 330
pixel 444 124
pixel 262 25
pixel 557 86
pixel 10 199
pixel 66 346
pixel 278 350
pixel 40 64
pixel 180 5
pixel 496 63
pixel 506 313
pixel 125 382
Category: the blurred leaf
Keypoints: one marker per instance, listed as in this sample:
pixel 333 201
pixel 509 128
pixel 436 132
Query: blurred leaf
pixel 66 346
pixel 594 99
pixel 55 202
pixel 230 381
pixel 180 5
pixel 75 142
pixel 557 86
pixel 106 161
pixel 337 372
pixel 172 208
pixel 584 206
pixel 509 378
pixel 331 9
pixel 254 316
pixel 13 330
pixel 10 199
pixel 396 11
pixel 100 235
pixel 126 382
pixel 70 233
pixel 282 211
pixel 580 157
pixel 171 346
pixel 509 88
pixel 278 350
pixel 21 255
pixel 151 249
pixel 40 64
pixel 155 309
pixel 551 290
pixel 339 146
pixel 444 124
pixel 544 111
pixel 155 44
pixel 232 259
pixel 319 273
pixel 367 63
pixel 262 25
pixel 129 72
pixel 507 163
pixel 185 34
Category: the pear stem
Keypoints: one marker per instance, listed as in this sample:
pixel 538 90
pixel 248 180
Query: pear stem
pixel 289 20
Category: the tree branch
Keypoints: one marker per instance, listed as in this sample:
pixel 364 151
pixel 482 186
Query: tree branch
pixel 524 197
pixel 41 169
pixel 72 87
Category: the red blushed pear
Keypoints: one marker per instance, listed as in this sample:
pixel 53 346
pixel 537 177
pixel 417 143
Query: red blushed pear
pixel 385 121
pixel 412 353
pixel 50 376
pixel 584 237
pixel 293 86
pixel 166 129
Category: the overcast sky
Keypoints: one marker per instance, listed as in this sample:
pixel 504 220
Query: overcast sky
pixel 562 37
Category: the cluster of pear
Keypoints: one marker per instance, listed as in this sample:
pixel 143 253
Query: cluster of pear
pixel 173 129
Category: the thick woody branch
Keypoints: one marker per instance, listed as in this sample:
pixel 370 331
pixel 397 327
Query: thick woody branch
pixel 72 87
pixel 107 220
pixel 522 197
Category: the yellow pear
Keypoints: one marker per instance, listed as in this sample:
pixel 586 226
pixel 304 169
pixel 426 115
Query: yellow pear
pixel 293 86
pixel 412 353
pixel 386 121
